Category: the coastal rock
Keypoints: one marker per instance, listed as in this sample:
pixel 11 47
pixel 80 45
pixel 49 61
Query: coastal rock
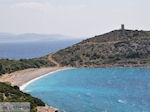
pixel 46 109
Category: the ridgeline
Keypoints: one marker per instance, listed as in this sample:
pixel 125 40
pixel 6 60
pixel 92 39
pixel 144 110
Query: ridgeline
pixel 118 48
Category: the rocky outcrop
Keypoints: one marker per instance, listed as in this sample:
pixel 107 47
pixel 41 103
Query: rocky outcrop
pixel 46 109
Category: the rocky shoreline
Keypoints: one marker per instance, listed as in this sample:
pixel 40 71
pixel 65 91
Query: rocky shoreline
pixel 47 109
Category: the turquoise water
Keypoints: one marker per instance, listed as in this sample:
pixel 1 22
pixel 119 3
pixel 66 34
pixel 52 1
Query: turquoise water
pixel 95 90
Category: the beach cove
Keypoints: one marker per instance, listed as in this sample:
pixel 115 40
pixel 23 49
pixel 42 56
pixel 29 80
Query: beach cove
pixel 95 89
pixel 25 77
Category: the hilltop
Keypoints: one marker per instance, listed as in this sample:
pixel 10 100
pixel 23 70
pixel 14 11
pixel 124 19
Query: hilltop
pixel 117 48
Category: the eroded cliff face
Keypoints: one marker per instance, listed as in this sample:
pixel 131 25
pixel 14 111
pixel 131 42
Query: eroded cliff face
pixel 116 48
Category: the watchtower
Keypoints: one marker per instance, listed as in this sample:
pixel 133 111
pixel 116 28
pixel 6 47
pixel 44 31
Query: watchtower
pixel 122 29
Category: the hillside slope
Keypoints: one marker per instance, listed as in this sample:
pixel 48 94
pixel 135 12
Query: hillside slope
pixel 8 66
pixel 13 94
pixel 116 48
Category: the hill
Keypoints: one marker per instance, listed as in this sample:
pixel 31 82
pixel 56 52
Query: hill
pixel 116 48
pixel 8 66
pixel 13 94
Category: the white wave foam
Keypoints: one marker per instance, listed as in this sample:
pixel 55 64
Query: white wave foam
pixel 122 101
pixel 31 81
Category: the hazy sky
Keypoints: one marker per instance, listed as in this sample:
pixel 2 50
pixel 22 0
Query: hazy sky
pixel 73 17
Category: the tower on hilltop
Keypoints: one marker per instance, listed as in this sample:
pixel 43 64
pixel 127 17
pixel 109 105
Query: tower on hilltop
pixel 123 29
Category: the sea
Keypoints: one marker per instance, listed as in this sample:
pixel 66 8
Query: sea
pixel 34 49
pixel 95 89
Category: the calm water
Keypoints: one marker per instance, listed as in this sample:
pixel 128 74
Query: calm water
pixel 32 49
pixel 95 90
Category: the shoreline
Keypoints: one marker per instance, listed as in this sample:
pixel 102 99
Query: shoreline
pixel 23 86
pixel 28 76
pixel 23 78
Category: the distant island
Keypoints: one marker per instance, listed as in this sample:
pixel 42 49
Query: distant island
pixel 118 48
pixel 31 37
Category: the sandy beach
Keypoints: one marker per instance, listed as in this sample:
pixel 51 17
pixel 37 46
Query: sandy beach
pixel 25 77
pixel 22 77
pixel 23 86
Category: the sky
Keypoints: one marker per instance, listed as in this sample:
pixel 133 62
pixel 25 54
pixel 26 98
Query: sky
pixel 77 18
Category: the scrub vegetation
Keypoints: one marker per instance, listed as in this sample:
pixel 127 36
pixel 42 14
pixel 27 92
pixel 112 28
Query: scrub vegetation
pixel 8 66
pixel 116 48
pixel 13 94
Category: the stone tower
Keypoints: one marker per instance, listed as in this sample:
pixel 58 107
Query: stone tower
pixel 122 29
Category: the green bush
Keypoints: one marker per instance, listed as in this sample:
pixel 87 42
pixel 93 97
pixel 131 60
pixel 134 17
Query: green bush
pixel 8 66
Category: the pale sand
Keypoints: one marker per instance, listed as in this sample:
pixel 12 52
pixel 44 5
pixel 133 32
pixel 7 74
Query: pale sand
pixel 24 77
pixel 29 82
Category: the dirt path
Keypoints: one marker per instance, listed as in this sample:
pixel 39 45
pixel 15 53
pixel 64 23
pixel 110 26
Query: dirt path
pixel 53 61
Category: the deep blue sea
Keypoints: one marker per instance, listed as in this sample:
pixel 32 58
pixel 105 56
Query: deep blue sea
pixel 35 49
pixel 95 90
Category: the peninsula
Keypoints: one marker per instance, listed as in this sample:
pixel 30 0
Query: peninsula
pixel 118 48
